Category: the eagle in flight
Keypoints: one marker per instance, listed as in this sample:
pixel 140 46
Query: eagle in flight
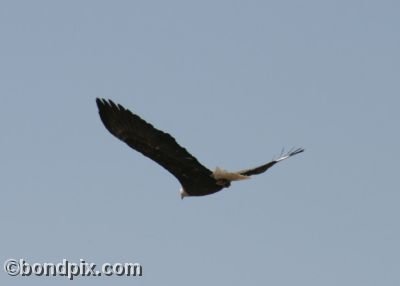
pixel 195 179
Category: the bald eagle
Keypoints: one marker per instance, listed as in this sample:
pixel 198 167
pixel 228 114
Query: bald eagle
pixel 195 179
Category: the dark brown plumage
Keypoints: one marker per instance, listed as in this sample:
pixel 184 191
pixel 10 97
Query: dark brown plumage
pixel 196 180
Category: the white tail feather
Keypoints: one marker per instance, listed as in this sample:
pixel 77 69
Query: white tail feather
pixel 219 174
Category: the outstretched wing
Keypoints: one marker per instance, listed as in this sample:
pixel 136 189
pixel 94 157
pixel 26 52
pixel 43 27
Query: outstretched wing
pixel 265 167
pixel 153 143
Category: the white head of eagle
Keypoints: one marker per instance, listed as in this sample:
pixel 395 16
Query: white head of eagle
pixel 161 147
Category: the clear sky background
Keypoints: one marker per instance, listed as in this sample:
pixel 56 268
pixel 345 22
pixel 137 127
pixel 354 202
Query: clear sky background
pixel 234 82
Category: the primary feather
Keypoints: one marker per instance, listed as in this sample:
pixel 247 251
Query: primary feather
pixel 196 179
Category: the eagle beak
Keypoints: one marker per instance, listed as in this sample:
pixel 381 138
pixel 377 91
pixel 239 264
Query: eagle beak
pixel 182 193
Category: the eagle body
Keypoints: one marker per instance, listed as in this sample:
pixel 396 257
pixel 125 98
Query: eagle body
pixel 161 147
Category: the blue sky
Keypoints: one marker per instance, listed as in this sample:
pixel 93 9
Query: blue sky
pixel 234 82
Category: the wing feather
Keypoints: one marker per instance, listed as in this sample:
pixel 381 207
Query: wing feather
pixel 153 143
pixel 261 169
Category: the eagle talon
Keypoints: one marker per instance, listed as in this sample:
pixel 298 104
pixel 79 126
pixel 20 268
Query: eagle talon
pixel 223 183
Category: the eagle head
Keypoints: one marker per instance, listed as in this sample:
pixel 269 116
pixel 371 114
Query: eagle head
pixel 183 193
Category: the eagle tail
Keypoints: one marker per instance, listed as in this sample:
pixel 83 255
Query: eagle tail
pixel 221 174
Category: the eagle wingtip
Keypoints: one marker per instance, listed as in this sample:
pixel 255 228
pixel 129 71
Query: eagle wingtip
pixel 291 153
pixel 297 151
pixel 101 102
